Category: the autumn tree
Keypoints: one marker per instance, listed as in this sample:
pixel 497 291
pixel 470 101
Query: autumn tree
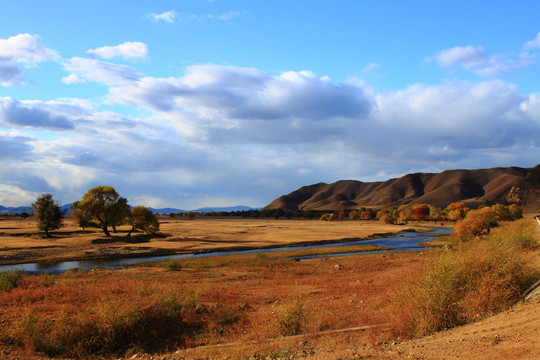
pixel 508 213
pixel 477 222
pixel 48 213
pixel 388 216
pixel 142 218
pixel 102 207
pixel 328 217
pixel 367 214
pixel 456 211
pixel 421 212
pixel 435 213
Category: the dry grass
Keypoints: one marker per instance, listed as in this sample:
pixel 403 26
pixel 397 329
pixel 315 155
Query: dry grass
pixel 476 279
pixel 21 242
pixel 249 299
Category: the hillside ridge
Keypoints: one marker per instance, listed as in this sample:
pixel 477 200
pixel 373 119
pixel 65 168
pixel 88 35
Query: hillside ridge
pixel 473 187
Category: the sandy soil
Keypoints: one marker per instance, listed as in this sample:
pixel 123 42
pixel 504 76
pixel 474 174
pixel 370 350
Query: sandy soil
pixel 21 242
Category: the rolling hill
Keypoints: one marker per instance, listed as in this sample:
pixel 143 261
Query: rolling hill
pixel 474 187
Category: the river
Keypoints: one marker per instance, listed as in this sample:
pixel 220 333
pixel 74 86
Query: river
pixel 400 242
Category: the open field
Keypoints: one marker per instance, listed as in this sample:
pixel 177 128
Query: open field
pixel 248 306
pixel 21 242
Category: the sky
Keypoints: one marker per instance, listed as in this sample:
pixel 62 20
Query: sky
pixel 198 103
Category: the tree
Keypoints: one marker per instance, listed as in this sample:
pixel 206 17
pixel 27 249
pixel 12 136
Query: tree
pixel 143 219
pixel 328 217
pixel 48 213
pixel 102 207
pixel 477 222
pixel 456 211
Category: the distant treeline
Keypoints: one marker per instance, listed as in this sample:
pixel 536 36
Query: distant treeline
pixel 392 215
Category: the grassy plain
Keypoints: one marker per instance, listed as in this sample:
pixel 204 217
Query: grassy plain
pixel 21 242
pixel 251 306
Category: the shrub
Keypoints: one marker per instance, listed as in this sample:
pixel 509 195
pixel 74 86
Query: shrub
pixel 478 279
pixel 328 217
pixel 104 328
pixel 172 264
pixel 477 222
pixel 293 320
pixel 10 279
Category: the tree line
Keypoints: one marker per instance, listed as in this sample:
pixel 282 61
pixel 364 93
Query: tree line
pixel 101 207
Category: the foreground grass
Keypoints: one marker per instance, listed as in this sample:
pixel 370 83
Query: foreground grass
pixel 230 299
pixel 474 280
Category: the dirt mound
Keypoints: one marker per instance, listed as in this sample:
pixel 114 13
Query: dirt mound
pixel 474 187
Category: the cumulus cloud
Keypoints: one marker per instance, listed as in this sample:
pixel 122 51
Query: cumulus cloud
pixel 14 145
pixel 100 71
pixel 22 49
pixel 219 97
pixel 72 79
pixel 222 132
pixel 127 51
pixel 167 16
pixel 19 114
pixel 477 60
pixel 533 44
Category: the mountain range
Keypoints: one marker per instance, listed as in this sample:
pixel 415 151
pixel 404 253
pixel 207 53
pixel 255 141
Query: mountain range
pixel 29 210
pixel 473 187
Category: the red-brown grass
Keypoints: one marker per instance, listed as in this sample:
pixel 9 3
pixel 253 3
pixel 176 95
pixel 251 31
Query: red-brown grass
pixel 233 299
pixel 476 279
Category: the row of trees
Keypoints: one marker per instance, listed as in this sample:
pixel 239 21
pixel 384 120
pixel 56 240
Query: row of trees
pixel 453 212
pixel 101 207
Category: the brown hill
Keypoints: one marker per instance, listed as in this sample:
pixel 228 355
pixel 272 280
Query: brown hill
pixel 474 187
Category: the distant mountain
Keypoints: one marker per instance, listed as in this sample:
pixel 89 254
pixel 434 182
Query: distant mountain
pixel 225 209
pixel 166 210
pixel 66 208
pixel 474 187
pixel 16 210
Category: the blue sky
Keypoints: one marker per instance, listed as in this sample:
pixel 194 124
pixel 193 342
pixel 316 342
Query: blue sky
pixel 215 103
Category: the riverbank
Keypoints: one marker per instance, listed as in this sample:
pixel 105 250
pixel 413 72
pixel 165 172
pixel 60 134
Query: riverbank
pixel 20 242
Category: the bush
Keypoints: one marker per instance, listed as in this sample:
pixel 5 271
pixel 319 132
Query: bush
pixel 479 278
pixel 172 264
pixel 110 327
pixel 477 222
pixel 10 279
pixel 293 320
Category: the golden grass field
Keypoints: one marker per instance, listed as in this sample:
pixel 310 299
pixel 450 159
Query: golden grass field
pixel 233 307
pixel 20 240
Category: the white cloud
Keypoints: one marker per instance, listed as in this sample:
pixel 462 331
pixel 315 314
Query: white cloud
pixel 466 57
pixel 478 61
pixel 127 51
pixel 167 16
pixel 533 44
pixel 222 132
pixel 371 67
pixel 14 196
pixel 223 95
pixel 22 49
pixel 100 71
pixel 72 79
pixel 225 16
pixel 28 114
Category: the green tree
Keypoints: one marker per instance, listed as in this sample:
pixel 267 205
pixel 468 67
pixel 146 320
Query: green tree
pixel 102 207
pixel 48 213
pixel 143 219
